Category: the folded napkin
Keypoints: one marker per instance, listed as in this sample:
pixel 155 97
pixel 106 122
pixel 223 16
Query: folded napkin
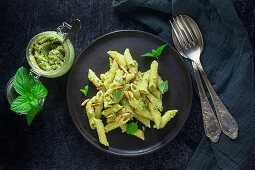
pixel 228 61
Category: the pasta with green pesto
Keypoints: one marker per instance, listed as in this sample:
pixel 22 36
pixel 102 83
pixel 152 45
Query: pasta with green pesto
pixel 126 95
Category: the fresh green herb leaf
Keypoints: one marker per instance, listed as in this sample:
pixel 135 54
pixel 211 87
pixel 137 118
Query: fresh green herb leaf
pixel 32 113
pixel 23 82
pixel 144 107
pixel 163 87
pixel 147 55
pixel 30 92
pixel 131 128
pixel 85 90
pixel 21 104
pixel 155 53
pixel 160 49
pixel 33 102
pixel 116 95
pixel 39 91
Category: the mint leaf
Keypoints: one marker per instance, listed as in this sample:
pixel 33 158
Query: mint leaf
pixel 23 82
pixel 39 91
pixel 33 102
pixel 163 87
pixel 160 49
pixel 85 90
pixel 32 113
pixel 30 92
pixel 21 104
pixel 148 55
pixel 131 128
pixel 116 95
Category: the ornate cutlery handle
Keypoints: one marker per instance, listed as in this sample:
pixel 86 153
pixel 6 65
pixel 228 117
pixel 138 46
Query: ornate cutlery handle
pixel 227 122
pixel 211 124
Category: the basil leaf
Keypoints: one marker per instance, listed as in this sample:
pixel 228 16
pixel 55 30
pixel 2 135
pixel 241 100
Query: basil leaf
pixel 23 82
pixel 163 87
pixel 148 55
pixel 21 104
pixel 144 107
pixel 85 90
pixel 131 128
pixel 160 49
pixel 155 54
pixel 39 91
pixel 116 95
pixel 32 113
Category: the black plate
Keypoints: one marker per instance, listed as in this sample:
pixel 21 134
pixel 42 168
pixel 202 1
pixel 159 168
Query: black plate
pixel 171 68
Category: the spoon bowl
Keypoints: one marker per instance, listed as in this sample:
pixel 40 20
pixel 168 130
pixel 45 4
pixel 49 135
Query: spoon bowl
pixel 197 33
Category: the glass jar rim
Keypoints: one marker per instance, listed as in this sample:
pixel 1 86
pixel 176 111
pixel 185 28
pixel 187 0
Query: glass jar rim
pixel 39 71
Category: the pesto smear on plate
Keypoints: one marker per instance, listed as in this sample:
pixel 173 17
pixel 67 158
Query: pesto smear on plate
pixel 47 53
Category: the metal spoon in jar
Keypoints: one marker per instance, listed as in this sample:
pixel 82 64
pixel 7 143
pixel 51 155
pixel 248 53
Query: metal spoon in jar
pixel 191 44
pixel 76 26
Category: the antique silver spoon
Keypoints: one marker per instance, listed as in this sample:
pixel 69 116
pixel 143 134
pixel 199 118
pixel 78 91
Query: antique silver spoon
pixel 191 45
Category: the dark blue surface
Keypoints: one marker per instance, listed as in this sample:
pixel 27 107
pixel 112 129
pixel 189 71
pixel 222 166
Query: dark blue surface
pixel 52 141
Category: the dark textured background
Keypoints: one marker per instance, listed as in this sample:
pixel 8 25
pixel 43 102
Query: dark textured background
pixel 52 140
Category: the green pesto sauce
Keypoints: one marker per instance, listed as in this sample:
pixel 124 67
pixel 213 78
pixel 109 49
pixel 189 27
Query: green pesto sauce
pixel 47 53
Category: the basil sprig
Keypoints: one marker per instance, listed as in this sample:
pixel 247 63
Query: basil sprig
pixel 85 90
pixel 30 93
pixel 155 53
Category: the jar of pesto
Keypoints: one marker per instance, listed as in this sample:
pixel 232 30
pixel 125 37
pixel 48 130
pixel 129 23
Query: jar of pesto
pixel 48 56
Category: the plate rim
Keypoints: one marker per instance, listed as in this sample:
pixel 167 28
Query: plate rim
pixel 137 153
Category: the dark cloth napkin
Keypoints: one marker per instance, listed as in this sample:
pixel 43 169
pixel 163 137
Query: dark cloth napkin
pixel 228 61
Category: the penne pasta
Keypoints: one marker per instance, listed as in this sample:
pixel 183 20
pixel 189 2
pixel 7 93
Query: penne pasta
pixel 115 108
pixel 119 58
pixel 135 90
pixel 111 74
pixel 115 124
pixel 153 76
pixel 128 59
pixel 91 112
pixel 143 85
pixel 143 120
pixel 157 102
pixel 94 79
pixel 167 117
pixel 101 132
pixel 155 114
pixel 126 94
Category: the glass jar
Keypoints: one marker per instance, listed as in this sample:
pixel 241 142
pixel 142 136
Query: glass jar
pixel 11 94
pixel 69 56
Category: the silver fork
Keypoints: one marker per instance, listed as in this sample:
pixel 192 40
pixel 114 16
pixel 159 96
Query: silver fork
pixel 191 44
pixel 211 124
